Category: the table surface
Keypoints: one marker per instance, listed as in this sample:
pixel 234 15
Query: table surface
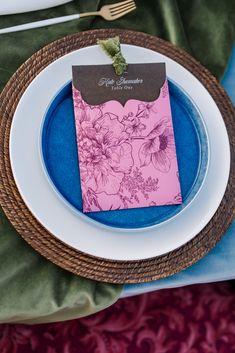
pixel 219 264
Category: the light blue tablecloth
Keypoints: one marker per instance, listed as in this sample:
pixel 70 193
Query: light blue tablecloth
pixel 219 264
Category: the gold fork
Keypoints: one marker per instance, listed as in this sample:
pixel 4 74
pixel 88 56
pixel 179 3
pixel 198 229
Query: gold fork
pixel 108 12
pixel 113 12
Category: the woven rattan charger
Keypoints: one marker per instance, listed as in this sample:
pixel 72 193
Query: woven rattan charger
pixel 48 245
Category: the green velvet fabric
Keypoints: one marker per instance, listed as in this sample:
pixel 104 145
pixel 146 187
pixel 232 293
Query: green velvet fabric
pixel 33 290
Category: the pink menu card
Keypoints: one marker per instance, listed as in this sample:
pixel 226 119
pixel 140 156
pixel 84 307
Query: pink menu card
pixel 127 154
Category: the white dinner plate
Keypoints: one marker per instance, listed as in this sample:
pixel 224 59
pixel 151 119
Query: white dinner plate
pixel 78 230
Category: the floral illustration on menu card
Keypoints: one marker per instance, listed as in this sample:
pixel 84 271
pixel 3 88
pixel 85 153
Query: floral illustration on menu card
pixel 127 159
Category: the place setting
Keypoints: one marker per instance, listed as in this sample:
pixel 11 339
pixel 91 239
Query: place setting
pixel 117 155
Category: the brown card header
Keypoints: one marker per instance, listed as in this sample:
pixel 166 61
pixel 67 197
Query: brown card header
pixel 99 83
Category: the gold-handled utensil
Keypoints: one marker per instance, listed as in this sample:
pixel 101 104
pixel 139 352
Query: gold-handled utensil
pixel 108 12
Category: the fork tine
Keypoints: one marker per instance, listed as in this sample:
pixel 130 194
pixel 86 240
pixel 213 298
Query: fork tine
pixel 120 4
pixel 122 13
pixel 122 8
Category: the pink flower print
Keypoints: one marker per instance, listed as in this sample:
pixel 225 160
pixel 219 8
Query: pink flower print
pixel 144 110
pixel 116 130
pixel 159 148
pixel 178 198
pixel 133 126
pixel 79 103
pixel 114 142
pixel 164 90
pixel 105 156
pixel 88 118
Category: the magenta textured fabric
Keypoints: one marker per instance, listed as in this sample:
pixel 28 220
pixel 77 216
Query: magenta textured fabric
pixel 195 319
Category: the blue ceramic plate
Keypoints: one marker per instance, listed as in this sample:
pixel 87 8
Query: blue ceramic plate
pixel 59 152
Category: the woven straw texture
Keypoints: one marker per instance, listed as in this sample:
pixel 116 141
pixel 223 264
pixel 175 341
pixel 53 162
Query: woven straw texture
pixel 56 251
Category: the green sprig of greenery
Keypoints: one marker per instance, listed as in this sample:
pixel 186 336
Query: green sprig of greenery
pixel 112 48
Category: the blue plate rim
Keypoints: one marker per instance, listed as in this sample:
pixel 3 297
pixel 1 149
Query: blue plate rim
pixel 184 205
